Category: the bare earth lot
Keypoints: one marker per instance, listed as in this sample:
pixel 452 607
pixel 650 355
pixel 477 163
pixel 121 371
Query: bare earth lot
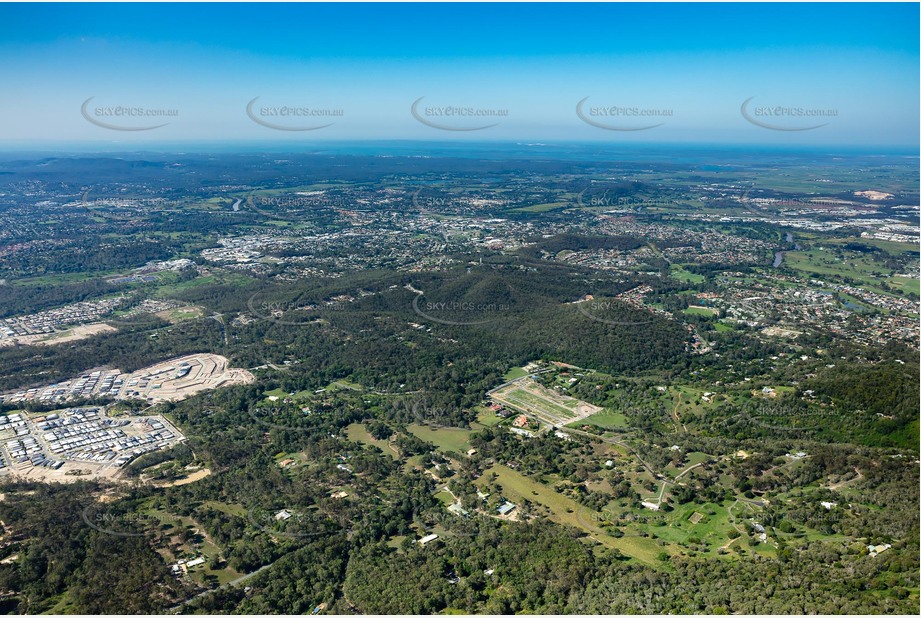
pixel 549 406
pixel 65 336
pixel 160 382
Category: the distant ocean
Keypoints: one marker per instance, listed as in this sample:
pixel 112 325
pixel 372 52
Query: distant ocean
pixel 719 155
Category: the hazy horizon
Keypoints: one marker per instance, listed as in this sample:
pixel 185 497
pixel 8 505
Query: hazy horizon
pixel 442 148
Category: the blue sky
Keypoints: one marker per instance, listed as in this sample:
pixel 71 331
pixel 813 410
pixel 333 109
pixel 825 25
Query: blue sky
pixel 853 68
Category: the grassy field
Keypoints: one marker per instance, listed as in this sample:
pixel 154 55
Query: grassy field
pixel 689 401
pixel 340 385
pixel 712 529
pixel 696 457
pixel 63 279
pixel 514 373
pixel 605 420
pixel 358 433
pixel 445 438
pixel 909 286
pixel 679 273
pixel 704 311
pixel 851 265
pixel 168 290
pixel 892 248
pixel 236 510
pixel 486 417
pixel 517 487
pixel 542 207
pixel 828 263
pixel 283 394
pixel 206 547
pixel 180 314
pixel 445 497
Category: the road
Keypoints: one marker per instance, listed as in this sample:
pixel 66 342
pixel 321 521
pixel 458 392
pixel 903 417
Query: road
pixel 516 380
pixel 648 468
pixel 220 320
pixel 839 484
pixel 617 443
pixel 677 418
pixel 231 583
pixel 688 469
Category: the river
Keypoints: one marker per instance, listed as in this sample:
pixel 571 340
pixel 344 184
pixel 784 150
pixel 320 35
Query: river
pixel 778 256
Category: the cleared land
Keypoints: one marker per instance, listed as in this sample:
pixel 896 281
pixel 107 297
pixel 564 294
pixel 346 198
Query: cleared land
pixel 550 407
pixel 486 417
pixel 698 310
pixel 606 420
pixel 517 487
pixel 357 432
pixel 868 271
pixel 169 381
pixel 71 334
pixel 515 372
pixel 191 478
pixel 445 438
pixel 180 313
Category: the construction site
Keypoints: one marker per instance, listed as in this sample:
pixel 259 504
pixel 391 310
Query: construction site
pixel 170 380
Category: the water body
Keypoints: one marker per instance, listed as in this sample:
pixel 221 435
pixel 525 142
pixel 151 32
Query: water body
pixel 589 152
pixel 778 256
